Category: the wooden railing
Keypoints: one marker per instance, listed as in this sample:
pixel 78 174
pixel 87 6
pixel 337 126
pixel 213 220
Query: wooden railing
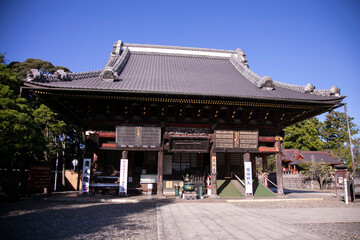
pixel 236 176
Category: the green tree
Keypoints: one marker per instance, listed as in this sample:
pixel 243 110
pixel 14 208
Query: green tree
pixel 318 171
pixel 52 127
pixel 29 129
pixel 304 136
pixel 335 135
pixel 356 150
pixel 19 139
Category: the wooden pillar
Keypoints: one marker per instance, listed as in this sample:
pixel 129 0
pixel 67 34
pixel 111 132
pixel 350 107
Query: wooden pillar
pixel 253 165
pixel 227 165
pixel 200 160
pixel 247 157
pixel 131 164
pixel 124 155
pixel 279 171
pixel 213 172
pixel 264 163
pixel 160 173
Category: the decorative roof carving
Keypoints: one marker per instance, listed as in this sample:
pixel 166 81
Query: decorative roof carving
pixel 33 74
pixel 115 63
pixel 241 56
pixel 309 88
pixel 266 83
pixel 244 70
pixel 61 74
pixel 335 91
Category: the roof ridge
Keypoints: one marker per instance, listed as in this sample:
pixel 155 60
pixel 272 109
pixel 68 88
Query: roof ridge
pixel 59 75
pixel 179 55
pixel 178 48
pixel 261 81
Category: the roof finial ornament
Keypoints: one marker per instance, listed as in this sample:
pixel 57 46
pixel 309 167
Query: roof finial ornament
pixel 309 88
pixel 335 91
pixel 117 48
pixel 60 74
pixel 32 74
pixel 115 63
pixel 242 56
pixel 266 83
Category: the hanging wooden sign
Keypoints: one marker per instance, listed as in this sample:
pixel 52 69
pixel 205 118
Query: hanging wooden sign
pixel 189 145
pixel 138 136
pixel 244 139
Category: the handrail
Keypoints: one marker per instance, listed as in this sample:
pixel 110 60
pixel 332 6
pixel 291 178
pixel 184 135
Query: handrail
pixel 267 179
pixel 233 174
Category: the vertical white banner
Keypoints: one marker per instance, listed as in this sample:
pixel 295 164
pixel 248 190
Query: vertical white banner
pixel 86 176
pixel 123 176
pixel 248 178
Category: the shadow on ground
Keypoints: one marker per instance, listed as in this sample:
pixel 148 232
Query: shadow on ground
pixel 39 219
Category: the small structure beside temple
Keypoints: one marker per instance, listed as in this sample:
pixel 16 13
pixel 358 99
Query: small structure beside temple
pixel 171 111
pixel 293 157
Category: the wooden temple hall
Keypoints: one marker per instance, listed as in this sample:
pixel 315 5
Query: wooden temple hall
pixel 156 113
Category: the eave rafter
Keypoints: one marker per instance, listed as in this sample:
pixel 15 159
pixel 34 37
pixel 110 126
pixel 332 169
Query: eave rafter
pixel 83 107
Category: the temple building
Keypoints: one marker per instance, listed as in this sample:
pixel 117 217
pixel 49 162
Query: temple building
pixel 175 110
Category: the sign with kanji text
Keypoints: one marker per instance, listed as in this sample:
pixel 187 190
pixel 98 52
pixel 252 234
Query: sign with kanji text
pixel 86 175
pixel 248 178
pixel 123 176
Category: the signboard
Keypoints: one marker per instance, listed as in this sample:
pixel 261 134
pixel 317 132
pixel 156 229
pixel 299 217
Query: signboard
pixel 248 178
pixel 237 139
pixel 136 136
pixel 86 176
pixel 148 178
pixel 189 145
pixel 213 165
pixel 39 178
pixel 123 176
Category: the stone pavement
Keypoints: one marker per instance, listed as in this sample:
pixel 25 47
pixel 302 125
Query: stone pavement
pixel 221 220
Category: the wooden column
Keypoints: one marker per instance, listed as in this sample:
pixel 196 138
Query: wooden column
pixel 160 173
pixel 247 157
pixel 124 155
pixel 213 172
pixel 264 163
pixel 200 160
pixel 253 165
pixel 279 171
pixel 227 165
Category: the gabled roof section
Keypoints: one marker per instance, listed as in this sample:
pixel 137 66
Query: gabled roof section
pixel 295 157
pixel 139 68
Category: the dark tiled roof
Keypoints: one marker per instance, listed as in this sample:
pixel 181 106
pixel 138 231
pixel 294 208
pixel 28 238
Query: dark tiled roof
pixel 317 156
pixel 150 72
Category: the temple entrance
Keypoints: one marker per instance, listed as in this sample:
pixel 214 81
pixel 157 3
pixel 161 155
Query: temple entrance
pixel 228 163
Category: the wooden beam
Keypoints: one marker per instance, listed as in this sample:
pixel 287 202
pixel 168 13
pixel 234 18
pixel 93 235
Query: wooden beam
pixel 160 173
pixel 266 149
pixel 107 134
pixel 267 139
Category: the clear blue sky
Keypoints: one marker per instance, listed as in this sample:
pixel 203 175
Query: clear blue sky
pixel 296 42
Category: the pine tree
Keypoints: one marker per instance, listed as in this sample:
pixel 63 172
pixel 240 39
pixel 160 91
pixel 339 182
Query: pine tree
pixel 335 135
pixel 304 136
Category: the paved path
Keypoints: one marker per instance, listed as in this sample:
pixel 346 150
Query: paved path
pixel 228 221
